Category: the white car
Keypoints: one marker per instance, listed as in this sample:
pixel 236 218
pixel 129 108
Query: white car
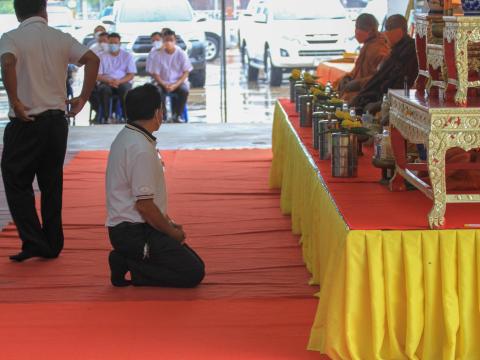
pixel 280 35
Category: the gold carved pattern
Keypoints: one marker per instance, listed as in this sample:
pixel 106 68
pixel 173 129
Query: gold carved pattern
pixel 421 28
pixel 440 128
pixel 463 30
pixel 437 148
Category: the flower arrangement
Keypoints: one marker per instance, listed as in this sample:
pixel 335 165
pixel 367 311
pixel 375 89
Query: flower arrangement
pixel 309 79
pixel 351 124
pixel 296 75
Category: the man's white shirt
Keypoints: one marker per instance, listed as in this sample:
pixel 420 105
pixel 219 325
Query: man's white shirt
pixel 43 54
pixel 134 172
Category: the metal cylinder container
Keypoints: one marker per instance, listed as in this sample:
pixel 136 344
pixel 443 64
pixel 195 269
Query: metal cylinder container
pixel 292 90
pixel 303 101
pixel 344 155
pixel 300 90
pixel 316 117
pixel 325 129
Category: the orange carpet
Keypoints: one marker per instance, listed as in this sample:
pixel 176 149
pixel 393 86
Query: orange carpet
pixel 254 303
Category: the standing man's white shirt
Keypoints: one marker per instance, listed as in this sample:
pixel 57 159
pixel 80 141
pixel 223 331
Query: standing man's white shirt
pixel 170 67
pixel 117 67
pixel 134 172
pixel 43 55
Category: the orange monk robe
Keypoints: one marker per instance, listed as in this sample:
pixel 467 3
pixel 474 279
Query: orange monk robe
pixel 372 54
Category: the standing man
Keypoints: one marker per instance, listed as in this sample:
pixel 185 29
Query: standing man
pixel 170 67
pixel 117 70
pixel 34 61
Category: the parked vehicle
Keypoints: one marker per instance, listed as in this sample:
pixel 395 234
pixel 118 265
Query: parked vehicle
pixel 377 8
pixel 213 35
pixel 135 20
pixel 280 35
pixel 61 17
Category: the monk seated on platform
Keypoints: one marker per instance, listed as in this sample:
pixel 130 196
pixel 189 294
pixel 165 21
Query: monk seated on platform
pixel 401 65
pixel 374 51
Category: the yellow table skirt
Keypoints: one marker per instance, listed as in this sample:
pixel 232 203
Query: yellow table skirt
pixel 384 294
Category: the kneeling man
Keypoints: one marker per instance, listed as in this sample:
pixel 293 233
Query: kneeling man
pixel 146 242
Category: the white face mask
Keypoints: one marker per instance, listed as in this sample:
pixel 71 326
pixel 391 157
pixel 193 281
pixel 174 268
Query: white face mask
pixel 97 34
pixel 158 44
pixel 104 47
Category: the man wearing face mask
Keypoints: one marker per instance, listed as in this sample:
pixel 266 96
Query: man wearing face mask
pixel 169 68
pixel 99 29
pixel 157 45
pixel 117 70
pixel 374 51
pixel 101 45
pixel 146 242
pixel 401 65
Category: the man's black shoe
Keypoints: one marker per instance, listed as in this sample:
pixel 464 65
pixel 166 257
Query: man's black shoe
pixel 22 256
pixel 118 267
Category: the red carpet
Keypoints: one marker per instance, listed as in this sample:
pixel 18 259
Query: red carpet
pixel 367 205
pixel 253 304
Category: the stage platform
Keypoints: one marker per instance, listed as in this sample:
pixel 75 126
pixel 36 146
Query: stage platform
pixel 390 287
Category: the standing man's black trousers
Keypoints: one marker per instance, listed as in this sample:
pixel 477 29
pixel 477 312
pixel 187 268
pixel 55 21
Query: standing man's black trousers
pixel 169 264
pixel 36 149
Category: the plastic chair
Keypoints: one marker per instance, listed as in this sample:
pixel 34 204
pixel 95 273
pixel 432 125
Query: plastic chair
pixel 118 111
pixel 173 96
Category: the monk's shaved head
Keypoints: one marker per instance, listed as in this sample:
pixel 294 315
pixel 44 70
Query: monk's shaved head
pixel 367 22
pixel 396 22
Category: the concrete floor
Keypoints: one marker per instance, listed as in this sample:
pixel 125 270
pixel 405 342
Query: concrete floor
pixel 179 136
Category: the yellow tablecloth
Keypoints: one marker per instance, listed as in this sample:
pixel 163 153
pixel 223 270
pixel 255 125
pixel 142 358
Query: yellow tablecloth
pixel 384 294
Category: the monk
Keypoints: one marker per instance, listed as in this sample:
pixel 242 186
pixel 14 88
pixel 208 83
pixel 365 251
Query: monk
pixel 374 51
pixel 400 65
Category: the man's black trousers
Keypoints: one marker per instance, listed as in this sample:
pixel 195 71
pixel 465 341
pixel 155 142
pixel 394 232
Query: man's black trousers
pixel 38 149
pixel 169 264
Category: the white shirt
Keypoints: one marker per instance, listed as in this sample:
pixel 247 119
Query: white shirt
pixel 117 67
pixel 43 55
pixel 97 49
pixel 170 67
pixel 134 172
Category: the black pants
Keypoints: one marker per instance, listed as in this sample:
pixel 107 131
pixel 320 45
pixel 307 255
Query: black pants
pixel 105 93
pixel 36 149
pixel 169 264
pixel 178 101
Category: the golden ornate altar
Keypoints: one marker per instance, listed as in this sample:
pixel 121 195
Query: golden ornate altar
pixel 439 127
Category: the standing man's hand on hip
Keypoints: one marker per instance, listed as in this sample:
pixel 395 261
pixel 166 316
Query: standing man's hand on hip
pixel 20 111
pixel 76 105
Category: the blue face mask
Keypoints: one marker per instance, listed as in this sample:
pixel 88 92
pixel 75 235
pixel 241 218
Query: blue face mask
pixel 114 48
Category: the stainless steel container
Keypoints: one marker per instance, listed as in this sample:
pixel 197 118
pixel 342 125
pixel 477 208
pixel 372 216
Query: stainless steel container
pixel 325 130
pixel 344 155
pixel 292 90
pixel 300 90
pixel 305 110
pixel 316 117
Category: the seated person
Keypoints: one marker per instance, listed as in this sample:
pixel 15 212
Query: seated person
pixel 157 43
pixel 400 65
pixel 146 242
pixel 101 45
pixel 117 69
pixel 374 51
pixel 169 68
pixel 99 29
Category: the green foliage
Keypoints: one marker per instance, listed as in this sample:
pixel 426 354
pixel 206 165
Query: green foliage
pixel 6 7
